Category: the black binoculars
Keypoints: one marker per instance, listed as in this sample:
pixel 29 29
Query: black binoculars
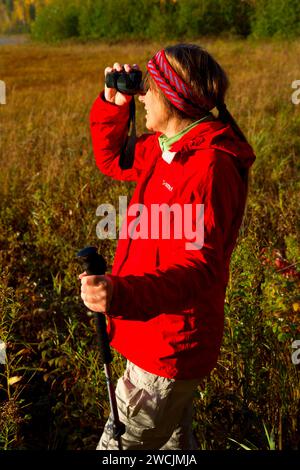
pixel 128 83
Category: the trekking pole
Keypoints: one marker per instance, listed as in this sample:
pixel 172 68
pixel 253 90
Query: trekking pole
pixel 94 264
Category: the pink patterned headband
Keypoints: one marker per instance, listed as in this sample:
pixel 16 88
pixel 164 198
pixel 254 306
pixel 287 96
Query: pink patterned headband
pixel 173 87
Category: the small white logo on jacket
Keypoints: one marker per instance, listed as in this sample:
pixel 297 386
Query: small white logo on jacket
pixel 167 185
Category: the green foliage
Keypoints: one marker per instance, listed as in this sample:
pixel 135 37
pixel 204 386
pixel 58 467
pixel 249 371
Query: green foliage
pixel 150 19
pixel 161 22
pixel 114 20
pixel 197 18
pixel 56 21
pixel 276 18
pixel 147 19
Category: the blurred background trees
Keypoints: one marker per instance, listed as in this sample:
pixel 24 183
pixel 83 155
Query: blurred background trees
pixel 53 20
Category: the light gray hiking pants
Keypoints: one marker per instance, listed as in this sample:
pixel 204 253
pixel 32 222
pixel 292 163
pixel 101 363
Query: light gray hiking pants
pixel 156 411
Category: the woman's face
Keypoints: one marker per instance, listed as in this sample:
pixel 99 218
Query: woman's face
pixel 157 115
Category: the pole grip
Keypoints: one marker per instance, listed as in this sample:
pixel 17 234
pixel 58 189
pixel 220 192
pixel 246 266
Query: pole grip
pixel 94 264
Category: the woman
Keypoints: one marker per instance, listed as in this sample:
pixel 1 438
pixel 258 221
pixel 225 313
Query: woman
pixel 165 297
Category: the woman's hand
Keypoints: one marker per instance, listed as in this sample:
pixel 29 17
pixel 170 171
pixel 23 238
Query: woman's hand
pixel 111 94
pixel 96 292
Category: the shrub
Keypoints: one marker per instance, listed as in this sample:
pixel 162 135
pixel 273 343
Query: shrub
pixel 213 17
pixel 123 19
pixel 56 21
pixel 276 18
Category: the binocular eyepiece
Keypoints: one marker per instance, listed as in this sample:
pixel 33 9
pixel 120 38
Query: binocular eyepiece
pixel 128 83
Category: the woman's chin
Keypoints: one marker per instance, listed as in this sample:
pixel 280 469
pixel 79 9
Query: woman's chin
pixel 148 125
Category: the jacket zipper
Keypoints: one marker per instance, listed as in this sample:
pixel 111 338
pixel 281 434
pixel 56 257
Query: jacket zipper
pixel 140 201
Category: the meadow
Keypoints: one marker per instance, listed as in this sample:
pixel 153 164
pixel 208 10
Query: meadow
pixel 52 387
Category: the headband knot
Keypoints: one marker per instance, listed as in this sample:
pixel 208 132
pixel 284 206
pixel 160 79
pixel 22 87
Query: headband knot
pixel 223 111
pixel 222 107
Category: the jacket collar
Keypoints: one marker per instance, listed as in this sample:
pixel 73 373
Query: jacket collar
pixel 212 135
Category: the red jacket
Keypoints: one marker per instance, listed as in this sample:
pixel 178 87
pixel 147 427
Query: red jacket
pixel 167 310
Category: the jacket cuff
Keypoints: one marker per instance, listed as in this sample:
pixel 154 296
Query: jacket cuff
pixel 102 108
pixel 121 297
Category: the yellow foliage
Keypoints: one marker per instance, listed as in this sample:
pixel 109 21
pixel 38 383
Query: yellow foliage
pixel 20 12
pixel 14 380
pixel 296 307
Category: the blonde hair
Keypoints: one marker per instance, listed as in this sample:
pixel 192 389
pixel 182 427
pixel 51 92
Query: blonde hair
pixel 206 78
pixel 200 71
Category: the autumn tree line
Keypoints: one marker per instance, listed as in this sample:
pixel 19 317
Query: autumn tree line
pixel 54 20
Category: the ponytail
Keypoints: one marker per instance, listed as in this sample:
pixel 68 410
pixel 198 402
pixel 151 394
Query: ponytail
pixel 227 118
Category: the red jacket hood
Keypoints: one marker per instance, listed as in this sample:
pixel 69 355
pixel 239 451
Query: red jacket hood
pixel 219 136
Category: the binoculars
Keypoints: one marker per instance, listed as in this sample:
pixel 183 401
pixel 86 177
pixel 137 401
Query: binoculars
pixel 128 83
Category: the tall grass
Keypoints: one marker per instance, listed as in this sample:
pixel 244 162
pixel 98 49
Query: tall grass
pixel 52 389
